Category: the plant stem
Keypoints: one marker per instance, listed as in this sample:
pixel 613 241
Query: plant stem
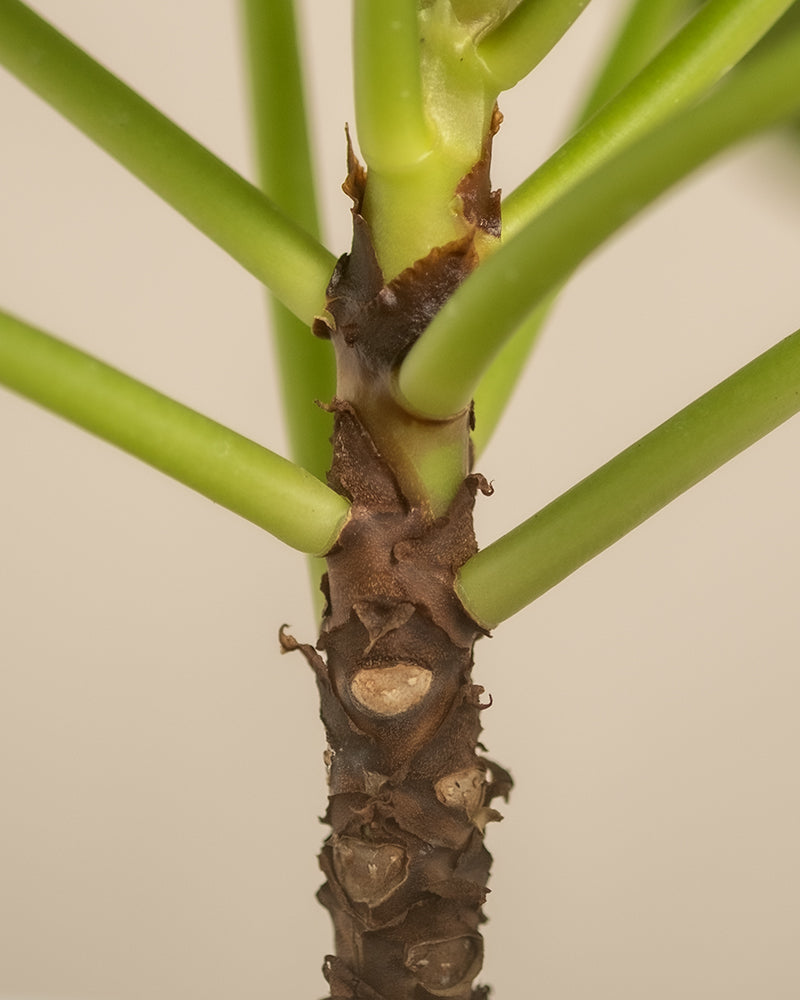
pixel 423 111
pixel 643 32
pixel 305 363
pixel 424 218
pixel 211 195
pixel 281 139
pixel 494 390
pixel 487 13
pixel 519 43
pixel 442 369
pixel 646 26
pixel 542 551
pixel 224 466
pixel 393 131
pixel 715 39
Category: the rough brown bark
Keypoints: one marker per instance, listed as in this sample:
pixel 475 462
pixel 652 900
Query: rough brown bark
pixel 409 794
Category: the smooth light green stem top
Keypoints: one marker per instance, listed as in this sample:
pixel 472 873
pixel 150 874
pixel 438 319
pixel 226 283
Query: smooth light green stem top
pixel 227 468
pixel 393 132
pixel 423 111
pixel 520 42
pixel 484 12
pixel 211 195
pixel 519 567
pixel 440 373
pixel 703 51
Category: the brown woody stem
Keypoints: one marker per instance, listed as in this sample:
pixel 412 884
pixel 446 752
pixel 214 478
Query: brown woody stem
pixel 409 794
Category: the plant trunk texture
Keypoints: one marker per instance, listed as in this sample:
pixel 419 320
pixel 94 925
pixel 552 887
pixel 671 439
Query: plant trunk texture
pixel 409 793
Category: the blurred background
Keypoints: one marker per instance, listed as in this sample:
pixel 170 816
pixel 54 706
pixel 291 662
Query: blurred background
pixel 161 768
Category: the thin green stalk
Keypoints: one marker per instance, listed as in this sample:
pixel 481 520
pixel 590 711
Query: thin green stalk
pixel 211 195
pixel 519 43
pixel 495 388
pixel 642 33
pixel 715 39
pixel 393 132
pixel 277 97
pixel 283 152
pixel 645 28
pixel 305 363
pixel 441 371
pixel 519 567
pixel 227 468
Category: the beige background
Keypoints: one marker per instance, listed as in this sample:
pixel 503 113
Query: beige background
pixel 160 763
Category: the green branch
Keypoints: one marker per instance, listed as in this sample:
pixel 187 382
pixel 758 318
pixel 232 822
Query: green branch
pixel 519 43
pixel 519 567
pixel 647 25
pixel 283 151
pixel 281 139
pixel 393 132
pixel 497 384
pixel 227 468
pixel 439 376
pixel 305 363
pixel 211 195
pixel 716 38
pixel 645 28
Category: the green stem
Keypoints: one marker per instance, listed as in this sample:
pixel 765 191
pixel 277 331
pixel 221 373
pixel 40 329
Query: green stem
pixel 423 109
pixel 393 132
pixel 227 468
pixel 700 54
pixel 211 195
pixel 282 145
pixel 645 28
pixel 495 388
pixel 643 32
pixel 485 13
pixel 305 364
pixel 516 569
pixel 441 371
pixel 519 43
pixel 283 152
